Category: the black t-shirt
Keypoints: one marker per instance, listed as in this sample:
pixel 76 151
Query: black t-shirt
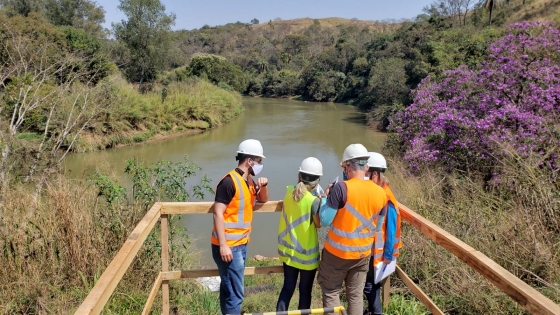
pixel 337 196
pixel 226 189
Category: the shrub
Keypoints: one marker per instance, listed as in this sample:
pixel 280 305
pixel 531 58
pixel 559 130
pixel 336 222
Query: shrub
pixel 217 69
pixel 513 99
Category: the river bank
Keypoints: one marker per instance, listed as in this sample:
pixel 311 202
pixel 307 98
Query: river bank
pixel 163 112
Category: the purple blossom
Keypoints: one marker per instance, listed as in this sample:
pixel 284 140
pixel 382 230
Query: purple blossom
pixel 466 119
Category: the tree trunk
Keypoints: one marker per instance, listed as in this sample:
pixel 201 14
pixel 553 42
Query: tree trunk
pixel 4 170
pixel 491 9
pixel 141 81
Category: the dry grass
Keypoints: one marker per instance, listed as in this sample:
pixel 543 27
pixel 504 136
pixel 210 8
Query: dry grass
pixel 533 10
pixel 55 248
pixel 516 227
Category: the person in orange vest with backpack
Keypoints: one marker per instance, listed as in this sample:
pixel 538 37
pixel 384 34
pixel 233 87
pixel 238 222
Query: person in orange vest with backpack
pixel 233 205
pixel 357 204
pixel 387 242
pixel 298 241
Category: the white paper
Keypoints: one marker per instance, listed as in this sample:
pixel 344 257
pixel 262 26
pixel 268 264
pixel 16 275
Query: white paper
pixel 382 270
pixel 318 191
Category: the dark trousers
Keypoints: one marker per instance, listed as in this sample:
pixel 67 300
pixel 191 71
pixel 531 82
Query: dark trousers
pixel 290 282
pixel 372 291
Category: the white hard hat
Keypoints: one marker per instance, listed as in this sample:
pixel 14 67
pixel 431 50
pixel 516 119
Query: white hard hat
pixel 311 166
pixel 251 147
pixel 355 151
pixel 376 160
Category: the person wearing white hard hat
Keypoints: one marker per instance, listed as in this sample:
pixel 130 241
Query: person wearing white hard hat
pixel 345 257
pixel 236 194
pixel 387 239
pixel 298 242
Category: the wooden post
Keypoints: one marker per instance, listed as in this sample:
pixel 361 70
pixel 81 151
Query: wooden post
pixel 165 263
pixel 386 287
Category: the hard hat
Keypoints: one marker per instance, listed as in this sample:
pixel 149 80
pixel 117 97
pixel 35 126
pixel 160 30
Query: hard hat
pixel 376 160
pixel 311 166
pixel 251 147
pixel 355 151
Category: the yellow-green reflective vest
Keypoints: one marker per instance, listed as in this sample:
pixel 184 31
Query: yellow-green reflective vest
pixel 298 243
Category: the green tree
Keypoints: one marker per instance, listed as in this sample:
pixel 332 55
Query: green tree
pixel 217 69
pixel 146 34
pixel 387 82
pixel 82 14
pixel 21 7
pixel 254 21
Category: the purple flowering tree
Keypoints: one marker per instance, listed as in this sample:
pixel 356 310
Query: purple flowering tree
pixel 464 121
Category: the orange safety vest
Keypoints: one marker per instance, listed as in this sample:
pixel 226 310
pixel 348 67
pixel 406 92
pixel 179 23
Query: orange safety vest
pixel 353 227
pixel 380 234
pixel 239 212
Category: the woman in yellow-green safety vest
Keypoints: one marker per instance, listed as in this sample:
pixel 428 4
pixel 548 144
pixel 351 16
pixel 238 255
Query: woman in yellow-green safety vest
pixel 298 242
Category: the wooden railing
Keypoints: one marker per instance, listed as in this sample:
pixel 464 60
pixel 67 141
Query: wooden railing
pixel 529 298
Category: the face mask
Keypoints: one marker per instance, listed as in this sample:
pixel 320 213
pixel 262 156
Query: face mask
pixel 344 175
pixel 257 168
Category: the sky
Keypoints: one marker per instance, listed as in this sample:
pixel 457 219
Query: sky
pixel 195 14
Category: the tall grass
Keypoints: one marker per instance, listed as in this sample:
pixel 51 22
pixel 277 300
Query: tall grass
pixel 164 109
pixel 55 249
pixel 514 222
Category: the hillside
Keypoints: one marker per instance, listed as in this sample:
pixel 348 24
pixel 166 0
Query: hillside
pixel 534 10
pixel 302 23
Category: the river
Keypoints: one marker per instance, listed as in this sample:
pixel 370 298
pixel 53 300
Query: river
pixel 289 132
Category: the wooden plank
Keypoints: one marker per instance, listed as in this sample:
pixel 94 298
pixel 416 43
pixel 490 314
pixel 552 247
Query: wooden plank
pixel 386 291
pixel 103 289
pixel 428 303
pixel 528 297
pixel 204 207
pixel 249 271
pixel 165 263
pixel 152 296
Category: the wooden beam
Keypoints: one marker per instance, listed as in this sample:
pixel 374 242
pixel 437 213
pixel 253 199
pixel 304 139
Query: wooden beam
pixel 204 207
pixel 103 289
pixel 164 263
pixel 249 271
pixel 152 296
pixel 386 291
pixel 529 298
pixel 428 303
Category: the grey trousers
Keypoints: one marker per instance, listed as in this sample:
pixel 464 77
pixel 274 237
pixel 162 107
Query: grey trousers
pixel 333 271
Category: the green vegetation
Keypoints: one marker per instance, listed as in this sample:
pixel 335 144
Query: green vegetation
pixel 371 65
pixel 167 109
pixel 146 36
pixel 218 70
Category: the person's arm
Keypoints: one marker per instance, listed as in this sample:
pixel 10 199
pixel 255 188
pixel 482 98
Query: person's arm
pixel 315 212
pixel 390 231
pixel 336 200
pixel 262 195
pixel 218 210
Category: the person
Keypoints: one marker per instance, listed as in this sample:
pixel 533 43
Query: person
pixel 387 239
pixel 233 213
pixel 298 242
pixel 347 249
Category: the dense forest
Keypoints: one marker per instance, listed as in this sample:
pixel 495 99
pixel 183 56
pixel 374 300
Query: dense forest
pixel 373 65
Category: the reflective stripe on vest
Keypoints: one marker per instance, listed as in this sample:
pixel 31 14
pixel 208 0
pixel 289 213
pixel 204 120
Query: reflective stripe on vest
pixel 298 242
pixel 237 231
pixel 352 231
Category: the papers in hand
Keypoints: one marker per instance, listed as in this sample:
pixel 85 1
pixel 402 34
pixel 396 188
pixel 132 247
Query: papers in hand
pixel 318 191
pixel 382 270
